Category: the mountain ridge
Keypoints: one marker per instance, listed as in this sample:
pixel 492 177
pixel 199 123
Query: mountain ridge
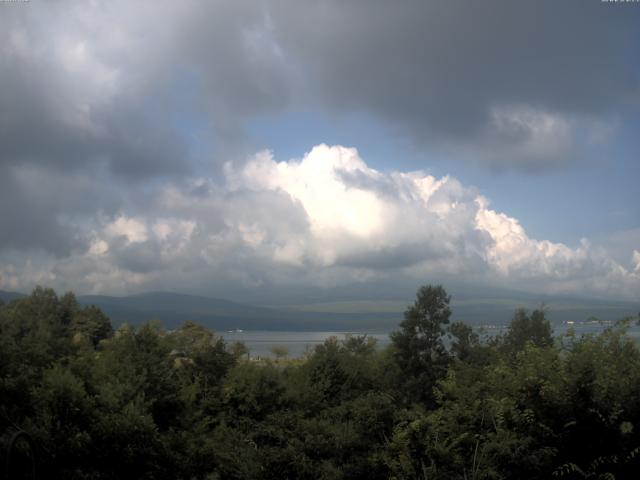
pixel 172 309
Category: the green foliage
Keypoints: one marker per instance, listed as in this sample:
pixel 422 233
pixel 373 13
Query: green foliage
pixel 465 340
pixel 149 403
pixel 418 345
pixel 92 324
pixel 525 327
pixel 251 392
pixel 280 351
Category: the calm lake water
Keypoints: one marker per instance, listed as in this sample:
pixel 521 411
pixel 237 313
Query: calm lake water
pixel 260 343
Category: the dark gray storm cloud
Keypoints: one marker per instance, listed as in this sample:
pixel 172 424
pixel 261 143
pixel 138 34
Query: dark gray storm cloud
pixel 514 82
pixel 66 107
pixel 28 222
pixel 485 74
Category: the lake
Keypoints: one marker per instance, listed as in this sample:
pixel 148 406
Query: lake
pixel 261 342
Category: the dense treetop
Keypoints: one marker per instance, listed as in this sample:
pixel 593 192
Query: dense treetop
pixel 79 400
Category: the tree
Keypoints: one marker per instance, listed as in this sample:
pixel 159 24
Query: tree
pixel 527 327
pixel 280 351
pixel 418 347
pixel 92 323
pixel 464 340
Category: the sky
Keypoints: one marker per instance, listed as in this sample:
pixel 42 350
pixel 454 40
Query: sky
pixel 250 149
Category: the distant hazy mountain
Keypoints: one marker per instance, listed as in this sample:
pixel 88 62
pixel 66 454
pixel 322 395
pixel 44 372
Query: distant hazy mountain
pixel 486 307
pixel 8 296
pixel 173 309
pixel 483 311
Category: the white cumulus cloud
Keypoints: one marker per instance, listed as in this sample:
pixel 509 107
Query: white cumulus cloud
pixel 325 219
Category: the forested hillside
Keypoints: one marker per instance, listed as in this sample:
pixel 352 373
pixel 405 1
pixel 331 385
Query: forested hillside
pixel 79 400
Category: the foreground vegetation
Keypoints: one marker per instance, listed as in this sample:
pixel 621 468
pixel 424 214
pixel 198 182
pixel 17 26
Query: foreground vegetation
pixel 80 401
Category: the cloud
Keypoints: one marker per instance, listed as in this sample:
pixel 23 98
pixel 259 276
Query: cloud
pixel 324 220
pixel 525 78
pixel 509 85
pixel 636 261
pixel 116 120
pixel 72 99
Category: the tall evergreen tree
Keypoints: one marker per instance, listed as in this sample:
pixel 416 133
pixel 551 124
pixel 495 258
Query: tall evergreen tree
pixel 418 346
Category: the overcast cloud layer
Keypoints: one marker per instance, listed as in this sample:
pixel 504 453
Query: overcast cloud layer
pixel 125 164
